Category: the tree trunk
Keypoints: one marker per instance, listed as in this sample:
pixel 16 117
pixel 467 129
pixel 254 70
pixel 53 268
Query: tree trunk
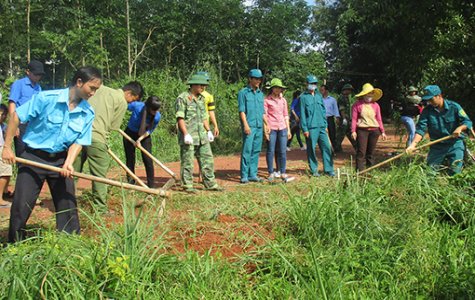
pixel 28 53
pixel 129 54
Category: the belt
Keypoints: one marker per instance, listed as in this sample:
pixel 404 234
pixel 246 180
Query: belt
pixel 47 155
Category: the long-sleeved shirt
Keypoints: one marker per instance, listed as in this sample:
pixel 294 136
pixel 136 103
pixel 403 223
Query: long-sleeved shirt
pixel 442 123
pixel 276 111
pixel 366 115
pixel 331 107
pixel 312 111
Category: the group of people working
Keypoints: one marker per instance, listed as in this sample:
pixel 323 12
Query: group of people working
pixel 65 128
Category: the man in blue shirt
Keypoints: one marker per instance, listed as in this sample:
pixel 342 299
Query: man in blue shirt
pixel 313 122
pixel 442 118
pixel 332 112
pixel 59 123
pixel 20 92
pixel 251 114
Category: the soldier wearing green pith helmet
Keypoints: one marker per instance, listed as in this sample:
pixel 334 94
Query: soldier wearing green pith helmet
pixel 194 135
pixel 442 118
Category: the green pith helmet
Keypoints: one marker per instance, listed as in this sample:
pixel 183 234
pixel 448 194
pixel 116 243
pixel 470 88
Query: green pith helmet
pixel 347 86
pixel 413 99
pixel 412 89
pixel 197 79
pixel 277 82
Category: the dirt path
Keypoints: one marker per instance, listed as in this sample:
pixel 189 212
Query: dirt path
pixel 214 236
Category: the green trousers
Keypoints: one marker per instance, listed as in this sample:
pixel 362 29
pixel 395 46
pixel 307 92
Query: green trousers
pixel 251 147
pixel 320 136
pixel 452 152
pixel 99 161
pixel 204 155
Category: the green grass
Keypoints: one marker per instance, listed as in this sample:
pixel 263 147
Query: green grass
pixel 404 233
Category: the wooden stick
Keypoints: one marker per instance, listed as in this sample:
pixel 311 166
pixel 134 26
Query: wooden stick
pixel 131 174
pixel 126 186
pixel 404 153
pixel 147 153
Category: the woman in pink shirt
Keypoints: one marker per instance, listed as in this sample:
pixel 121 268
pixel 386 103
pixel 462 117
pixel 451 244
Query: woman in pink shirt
pixel 366 125
pixel 277 130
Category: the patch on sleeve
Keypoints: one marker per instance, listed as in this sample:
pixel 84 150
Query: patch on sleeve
pixel 462 112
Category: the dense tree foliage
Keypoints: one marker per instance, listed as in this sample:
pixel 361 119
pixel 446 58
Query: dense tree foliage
pixel 398 43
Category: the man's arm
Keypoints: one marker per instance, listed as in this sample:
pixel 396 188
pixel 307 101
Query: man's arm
pixel 8 156
pixel 73 151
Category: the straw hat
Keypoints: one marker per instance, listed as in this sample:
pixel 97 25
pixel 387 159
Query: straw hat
pixel 368 88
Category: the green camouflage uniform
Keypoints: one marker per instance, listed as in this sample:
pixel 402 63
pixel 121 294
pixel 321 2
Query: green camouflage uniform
pixel 193 112
pixel 344 106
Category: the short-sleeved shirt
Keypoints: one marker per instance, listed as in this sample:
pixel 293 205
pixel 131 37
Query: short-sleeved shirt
pixel 331 107
pixel 51 126
pixel 312 111
pixel 251 103
pixel 109 106
pixel 276 111
pixel 192 111
pixel 442 123
pixel 137 108
pixel 22 90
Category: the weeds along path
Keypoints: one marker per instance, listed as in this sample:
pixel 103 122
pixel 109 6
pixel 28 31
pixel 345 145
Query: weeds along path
pixel 229 223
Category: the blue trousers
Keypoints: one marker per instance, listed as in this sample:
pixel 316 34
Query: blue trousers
pixel 452 152
pixel 320 136
pixel 251 147
pixel 410 127
pixel 277 144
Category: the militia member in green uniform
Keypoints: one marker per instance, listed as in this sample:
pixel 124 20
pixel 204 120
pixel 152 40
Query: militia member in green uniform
pixel 313 122
pixel 442 118
pixel 194 136
pixel 345 102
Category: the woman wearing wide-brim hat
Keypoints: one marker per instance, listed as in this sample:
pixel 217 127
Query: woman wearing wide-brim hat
pixel 278 133
pixel 367 125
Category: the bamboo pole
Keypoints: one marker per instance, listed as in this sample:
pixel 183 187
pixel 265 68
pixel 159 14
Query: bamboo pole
pixel 126 186
pixel 404 153
pixel 170 172
pixel 127 170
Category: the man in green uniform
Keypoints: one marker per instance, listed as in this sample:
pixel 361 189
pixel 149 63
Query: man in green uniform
pixel 251 114
pixel 109 107
pixel 442 118
pixel 194 136
pixel 314 126
pixel 344 127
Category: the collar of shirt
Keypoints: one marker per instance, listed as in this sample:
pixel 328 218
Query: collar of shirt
pixel 63 97
pixel 250 89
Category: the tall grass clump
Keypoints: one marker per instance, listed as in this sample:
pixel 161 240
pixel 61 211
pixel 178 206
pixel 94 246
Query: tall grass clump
pixel 401 234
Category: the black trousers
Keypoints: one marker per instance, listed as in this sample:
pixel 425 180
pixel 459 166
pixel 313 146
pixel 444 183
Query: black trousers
pixel 18 140
pixel 366 140
pixel 28 186
pixel 147 161
pixel 332 131
pixel 295 130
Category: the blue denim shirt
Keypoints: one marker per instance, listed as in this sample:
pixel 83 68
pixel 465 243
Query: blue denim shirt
pixel 22 90
pixel 442 123
pixel 51 126
pixel 135 120
pixel 251 103
pixel 312 111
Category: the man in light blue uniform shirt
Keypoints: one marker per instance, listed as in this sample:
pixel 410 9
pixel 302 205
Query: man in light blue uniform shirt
pixel 332 112
pixel 59 123
pixel 251 114
pixel 21 91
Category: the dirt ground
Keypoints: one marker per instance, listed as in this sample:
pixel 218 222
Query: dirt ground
pixel 224 234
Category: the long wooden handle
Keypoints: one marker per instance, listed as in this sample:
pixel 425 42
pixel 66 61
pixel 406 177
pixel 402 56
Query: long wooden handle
pixel 127 170
pixel 404 153
pixel 127 186
pixel 170 172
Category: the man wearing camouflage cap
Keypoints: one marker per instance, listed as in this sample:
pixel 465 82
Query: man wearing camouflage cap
pixel 442 118
pixel 345 100
pixel 194 136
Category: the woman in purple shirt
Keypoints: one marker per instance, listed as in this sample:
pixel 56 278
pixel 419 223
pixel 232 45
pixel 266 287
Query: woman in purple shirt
pixel 143 120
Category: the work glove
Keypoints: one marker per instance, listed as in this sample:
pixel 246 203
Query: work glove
pixel 210 136
pixel 188 139
pixel 344 122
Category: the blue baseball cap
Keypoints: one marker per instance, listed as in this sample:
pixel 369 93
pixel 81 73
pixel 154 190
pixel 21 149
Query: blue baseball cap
pixel 312 79
pixel 431 91
pixel 256 73
pixel 204 73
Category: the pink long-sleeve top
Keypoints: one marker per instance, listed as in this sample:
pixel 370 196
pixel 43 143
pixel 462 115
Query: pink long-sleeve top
pixel 366 115
pixel 276 111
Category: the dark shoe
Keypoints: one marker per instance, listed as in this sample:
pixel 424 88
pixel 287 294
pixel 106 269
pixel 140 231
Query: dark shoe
pixel 244 181
pixel 331 174
pixel 256 179
pixel 8 195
